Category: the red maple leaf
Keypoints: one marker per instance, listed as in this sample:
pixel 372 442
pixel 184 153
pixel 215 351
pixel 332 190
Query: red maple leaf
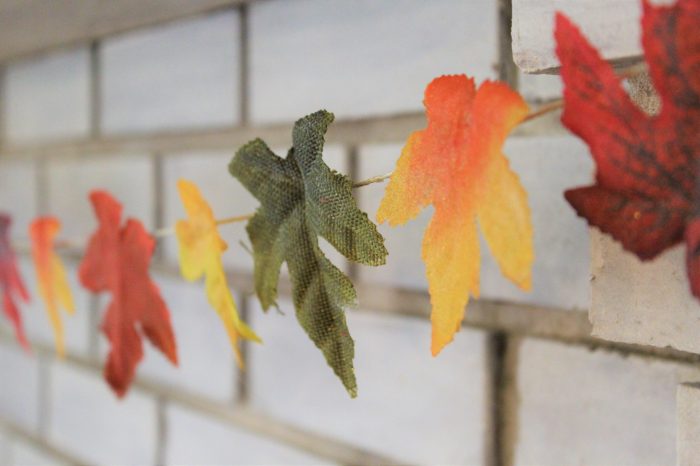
pixel 117 260
pixel 10 281
pixel 646 193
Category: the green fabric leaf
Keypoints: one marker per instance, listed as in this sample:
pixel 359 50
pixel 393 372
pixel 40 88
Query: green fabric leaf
pixel 302 198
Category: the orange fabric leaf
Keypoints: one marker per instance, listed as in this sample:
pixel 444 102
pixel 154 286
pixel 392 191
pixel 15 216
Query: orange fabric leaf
pixel 11 282
pixel 457 165
pixel 117 260
pixel 200 250
pixel 53 283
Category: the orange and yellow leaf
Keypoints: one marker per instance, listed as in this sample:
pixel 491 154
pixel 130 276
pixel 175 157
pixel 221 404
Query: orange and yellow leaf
pixel 457 165
pixel 53 283
pixel 200 249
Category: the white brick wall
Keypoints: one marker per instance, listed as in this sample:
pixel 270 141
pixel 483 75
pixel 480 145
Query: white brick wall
pixel 410 406
pixel 18 194
pixel 19 402
pixel 362 57
pixel 47 97
pixel 583 407
pixel 175 76
pixel 196 439
pixel 87 419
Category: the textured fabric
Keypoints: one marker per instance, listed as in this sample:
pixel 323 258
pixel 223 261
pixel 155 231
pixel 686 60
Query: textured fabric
pixel 301 198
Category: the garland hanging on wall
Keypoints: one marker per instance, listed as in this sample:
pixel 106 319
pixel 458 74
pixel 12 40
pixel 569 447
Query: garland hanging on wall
pixel 645 196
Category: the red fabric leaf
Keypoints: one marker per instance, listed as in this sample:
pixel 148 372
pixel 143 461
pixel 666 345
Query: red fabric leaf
pixel 646 193
pixel 117 260
pixel 11 283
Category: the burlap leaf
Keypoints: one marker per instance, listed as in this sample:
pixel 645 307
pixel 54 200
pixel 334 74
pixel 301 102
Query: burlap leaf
pixel 302 198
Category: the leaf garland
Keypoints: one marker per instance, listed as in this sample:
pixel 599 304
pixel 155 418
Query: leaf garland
pixel 302 198
pixel 117 260
pixel 646 192
pixel 53 283
pixel 200 249
pixel 11 283
pixel 456 164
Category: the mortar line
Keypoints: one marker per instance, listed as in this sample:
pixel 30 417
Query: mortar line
pixel 41 444
pixel 95 104
pixel 244 64
pixel 161 431
pixel 44 416
pixel 3 106
pixel 241 375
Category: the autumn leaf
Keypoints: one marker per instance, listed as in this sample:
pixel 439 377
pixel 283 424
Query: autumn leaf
pixel 456 164
pixel 200 248
pixel 646 187
pixel 53 284
pixel 11 281
pixel 301 199
pixel 117 260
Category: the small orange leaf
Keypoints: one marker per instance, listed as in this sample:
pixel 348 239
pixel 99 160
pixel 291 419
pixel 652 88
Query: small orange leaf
pixel 457 165
pixel 53 284
pixel 200 249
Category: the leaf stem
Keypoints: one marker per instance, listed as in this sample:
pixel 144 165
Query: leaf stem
pixel 626 73
pixel 374 179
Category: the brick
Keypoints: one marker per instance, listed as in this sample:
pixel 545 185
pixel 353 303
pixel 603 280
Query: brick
pixel 546 166
pixel 18 195
pixel 632 300
pixel 688 413
pixel 127 177
pixel 181 75
pixel 47 97
pixel 227 197
pixel 584 407
pixel 206 359
pixel 411 406
pixel 88 421
pixel 24 454
pixel 5 453
pixel 612 26
pixel 195 439
pixel 20 387
pixel 362 58
pixel 36 320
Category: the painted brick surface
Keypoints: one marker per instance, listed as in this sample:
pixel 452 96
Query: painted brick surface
pixel 195 439
pixel 19 402
pixel 89 421
pixel 129 178
pixel 584 407
pixel 688 415
pixel 18 195
pixel 362 58
pixel 410 406
pixel 25 454
pixel 546 167
pixel 37 323
pixel 631 304
pixel 47 97
pixel 611 25
pixel 179 75
pixel 205 355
